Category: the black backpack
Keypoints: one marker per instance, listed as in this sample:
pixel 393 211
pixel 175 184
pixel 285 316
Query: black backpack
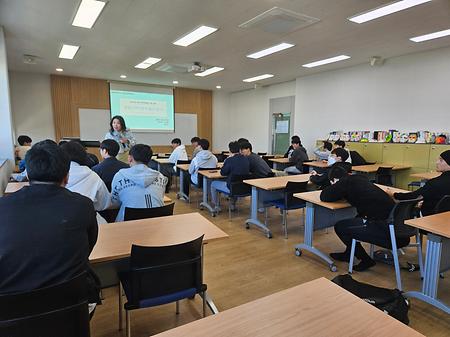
pixel 391 301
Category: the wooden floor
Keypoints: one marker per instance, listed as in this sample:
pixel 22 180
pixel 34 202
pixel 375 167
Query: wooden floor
pixel 248 266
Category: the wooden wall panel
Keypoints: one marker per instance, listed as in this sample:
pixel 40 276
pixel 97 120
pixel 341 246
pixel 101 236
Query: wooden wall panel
pixel 71 93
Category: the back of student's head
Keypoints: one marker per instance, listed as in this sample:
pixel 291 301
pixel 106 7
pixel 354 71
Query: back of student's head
pixel 195 139
pixel 23 139
pixel 47 162
pixel 337 171
pixel 111 147
pixel 340 152
pixel 176 141
pixel 242 140
pixel 246 146
pixel 141 153
pixel 327 146
pixel 234 147
pixel 340 143
pixel 76 152
pixel 204 143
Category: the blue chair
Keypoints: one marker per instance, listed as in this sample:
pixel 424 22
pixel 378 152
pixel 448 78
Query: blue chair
pixel 238 189
pixel 289 202
pixel 161 275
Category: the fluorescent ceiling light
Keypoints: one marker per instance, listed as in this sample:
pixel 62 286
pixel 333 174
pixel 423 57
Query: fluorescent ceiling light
pixel 431 36
pixel 209 71
pixel 123 76
pixel 271 50
pixel 218 87
pixel 68 51
pixel 194 36
pixel 175 82
pixel 147 63
pixel 386 10
pixel 326 61
pixel 87 13
pixel 257 78
pixel 59 69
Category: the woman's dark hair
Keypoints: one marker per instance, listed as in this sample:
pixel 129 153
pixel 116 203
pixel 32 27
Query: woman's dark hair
pixel 204 143
pixel 110 146
pixel 327 146
pixel 337 171
pixel 76 152
pixel 121 121
pixel 47 162
pixel 23 139
pixel 234 147
pixel 141 153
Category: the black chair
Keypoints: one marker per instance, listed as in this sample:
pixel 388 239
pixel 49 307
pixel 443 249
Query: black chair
pixel 267 158
pixel 289 202
pixel 221 157
pixel 357 159
pixel 399 233
pixel 238 189
pixel 161 275
pixel 383 176
pixel 146 213
pixel 443 205
pixel 262 153
pixel 59 310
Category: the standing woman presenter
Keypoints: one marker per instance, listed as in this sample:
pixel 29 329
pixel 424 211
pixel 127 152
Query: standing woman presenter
pixel 123 136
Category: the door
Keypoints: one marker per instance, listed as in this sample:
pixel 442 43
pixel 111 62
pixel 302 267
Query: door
pixel 281 136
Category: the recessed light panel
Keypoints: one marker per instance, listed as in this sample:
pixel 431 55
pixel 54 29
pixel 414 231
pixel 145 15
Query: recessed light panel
pixel 147 63
pixel 59 69
pixel 194 36
pixel 88 12
pixel 326 61
pixel 271 50
pixel 431 36
pixel 68 51
pixel 258 78
pixel 209 71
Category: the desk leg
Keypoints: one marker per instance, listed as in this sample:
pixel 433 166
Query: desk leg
pixel 254 215
pixel 181 194
pixel 431 274
pixel 206 189
pixel 275 166
pixel 308 238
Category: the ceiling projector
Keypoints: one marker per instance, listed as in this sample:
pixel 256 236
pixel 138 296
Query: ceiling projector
pixel 196 67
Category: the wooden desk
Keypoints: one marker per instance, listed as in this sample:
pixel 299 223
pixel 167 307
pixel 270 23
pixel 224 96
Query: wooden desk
pixel 437 256
pixel 320 214
pixel 208 177
pixel 316 163
pixel 115 239
pixel 279 162
pixel 425 176
pixel 372 168
pixel 314 309
pixel 268 184
pixel 162 161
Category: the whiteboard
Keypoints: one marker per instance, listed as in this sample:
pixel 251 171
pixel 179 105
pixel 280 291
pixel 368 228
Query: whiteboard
pixel 94 124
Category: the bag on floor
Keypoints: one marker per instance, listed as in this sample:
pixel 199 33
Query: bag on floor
pixel 391 301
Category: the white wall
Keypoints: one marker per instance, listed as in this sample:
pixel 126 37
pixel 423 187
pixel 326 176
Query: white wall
pixel 221 120
pixel 32 105
pixel 407 93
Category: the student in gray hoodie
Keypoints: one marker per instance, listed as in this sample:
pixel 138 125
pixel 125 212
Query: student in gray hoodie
pixel 138 186
pixel 203 159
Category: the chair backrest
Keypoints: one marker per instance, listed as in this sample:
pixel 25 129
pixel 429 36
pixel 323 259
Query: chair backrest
pixel 145 213
pixel 221 157
pixel 180 162
pixel 403 210
pixel 262 153
pixel 159 271
pixel 59 310
pixel 291 188
pixel 443 205
pixel 268 161
pixel 238 187
pixel 384 176
pixel 357 159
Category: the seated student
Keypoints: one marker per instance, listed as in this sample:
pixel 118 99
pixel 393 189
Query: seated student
pixel 373 206
pixel 178 153
pixel 110 165
pixel 138 186
pixel 82 179
pixel 337 156
pixel 291 148
pixel 434 189
pixel 258 167
pixel 341 144
pixel 296 157
pixel 235 164
pixel 324 153
pixel 48 232
pixel 23 147
pixel 195 146
pixel 203 159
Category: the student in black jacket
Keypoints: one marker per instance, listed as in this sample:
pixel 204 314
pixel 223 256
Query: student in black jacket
pixel 47 231
pixel 296 158
pixel 110 165
pixel 338 157
pixel 373 206
pixel 291 148
pixel 434 189
pixel 258 167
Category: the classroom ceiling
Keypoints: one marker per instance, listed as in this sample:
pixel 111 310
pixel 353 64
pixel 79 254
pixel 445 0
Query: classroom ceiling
pixel 129 31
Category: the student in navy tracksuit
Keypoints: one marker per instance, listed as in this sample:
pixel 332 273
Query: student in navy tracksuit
pixel 235 164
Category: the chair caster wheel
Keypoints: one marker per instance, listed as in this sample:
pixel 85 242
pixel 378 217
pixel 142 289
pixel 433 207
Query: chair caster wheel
pixel 333 268
pixel 269 235
pixel 247 226
pixel 298 252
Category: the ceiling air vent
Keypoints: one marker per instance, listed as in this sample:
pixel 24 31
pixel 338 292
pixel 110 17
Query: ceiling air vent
pixel 279 21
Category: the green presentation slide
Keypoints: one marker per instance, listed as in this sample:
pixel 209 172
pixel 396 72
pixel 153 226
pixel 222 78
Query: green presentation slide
pixel 144 111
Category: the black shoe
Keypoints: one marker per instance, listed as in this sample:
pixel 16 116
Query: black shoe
pixel 344 257
pixel 364 265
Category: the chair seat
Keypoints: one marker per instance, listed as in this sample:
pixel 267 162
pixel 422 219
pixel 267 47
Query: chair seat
pixel 228 194
pixel 155 301
pixel 280 204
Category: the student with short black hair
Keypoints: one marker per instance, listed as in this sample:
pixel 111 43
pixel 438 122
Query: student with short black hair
pixel 337 156
pixel 242 140
pixel 178 153
pixel 138 186
pixel 291 148
pixel 235 165
pixel 110 165
pixel 324 152
pixel 203 159
pixel 24 145
pixel 258 167
pixel 195 146
pixel 48 232
pixel 373 207
pixel 341 144
pixel 296 157
pixel 82 179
